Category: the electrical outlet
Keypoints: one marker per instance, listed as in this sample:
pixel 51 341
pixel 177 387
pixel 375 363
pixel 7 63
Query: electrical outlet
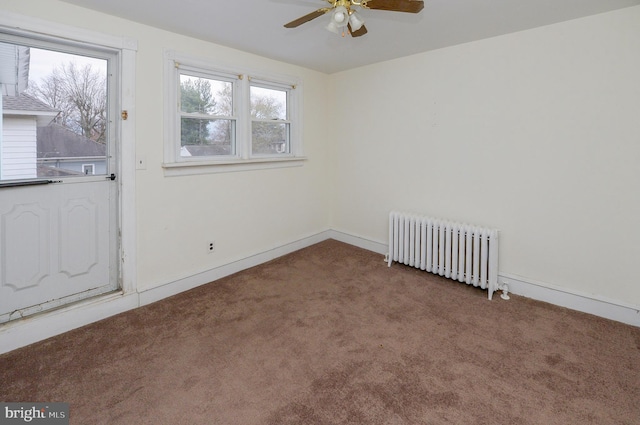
pixel 211 247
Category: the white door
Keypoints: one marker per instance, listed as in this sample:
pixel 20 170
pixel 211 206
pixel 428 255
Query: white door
pixel 58 193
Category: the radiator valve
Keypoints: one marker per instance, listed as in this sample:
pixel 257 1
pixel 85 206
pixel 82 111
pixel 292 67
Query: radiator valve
pixel 505 291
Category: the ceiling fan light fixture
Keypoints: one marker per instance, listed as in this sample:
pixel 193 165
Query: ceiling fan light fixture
pixel 340 16
pixel 356 21
pixel 345 20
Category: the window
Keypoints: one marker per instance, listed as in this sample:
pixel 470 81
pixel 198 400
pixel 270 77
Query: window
pixel 55 108
pixel 207 121
pixel 89 169
pixel 228 120
pixel 270 122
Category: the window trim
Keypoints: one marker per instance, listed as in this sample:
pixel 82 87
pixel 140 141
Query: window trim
pixel 176 63
pixel 198 72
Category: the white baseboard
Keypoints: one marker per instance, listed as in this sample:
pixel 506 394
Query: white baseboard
pixel 155 294
pixel 575 300
pixel 45 325
pixel 41 326
pixel 358 241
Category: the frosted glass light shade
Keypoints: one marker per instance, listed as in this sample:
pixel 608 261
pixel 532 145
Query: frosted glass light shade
pixel 333 27
pixel 356 21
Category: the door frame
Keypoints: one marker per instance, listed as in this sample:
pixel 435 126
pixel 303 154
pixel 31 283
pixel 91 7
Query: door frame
pixel 22 332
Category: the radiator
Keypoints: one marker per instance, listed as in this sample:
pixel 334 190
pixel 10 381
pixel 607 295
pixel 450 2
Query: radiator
pixel 456 251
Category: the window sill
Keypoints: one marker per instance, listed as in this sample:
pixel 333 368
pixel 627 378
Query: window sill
pixel 227 166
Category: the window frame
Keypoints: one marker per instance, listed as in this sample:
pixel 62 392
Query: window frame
pixel 174 164
pixel 76 47
pixel 209 75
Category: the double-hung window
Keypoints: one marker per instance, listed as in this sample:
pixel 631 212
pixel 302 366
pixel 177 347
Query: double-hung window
pixel 207 114
pixel 220 119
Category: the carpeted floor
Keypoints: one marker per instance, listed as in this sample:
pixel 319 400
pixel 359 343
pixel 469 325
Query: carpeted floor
pixel 330 335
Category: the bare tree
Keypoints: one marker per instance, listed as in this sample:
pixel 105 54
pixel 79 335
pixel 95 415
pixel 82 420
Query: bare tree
pixel 80 94
pixel 267 130
pixel 50 90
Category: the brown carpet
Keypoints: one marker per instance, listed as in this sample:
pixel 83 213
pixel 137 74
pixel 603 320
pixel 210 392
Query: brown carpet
pixel 330 335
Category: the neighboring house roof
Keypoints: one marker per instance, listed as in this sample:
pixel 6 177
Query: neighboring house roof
pixel 205 150
pixel 49 171
pixel 24 102
pixel 25 105
pixel 56 141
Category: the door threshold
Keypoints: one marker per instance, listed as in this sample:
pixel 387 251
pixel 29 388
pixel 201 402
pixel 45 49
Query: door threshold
pixel 58 303
pixel 30 329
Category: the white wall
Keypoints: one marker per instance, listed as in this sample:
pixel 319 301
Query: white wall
pixel 536 133
pixel 246 213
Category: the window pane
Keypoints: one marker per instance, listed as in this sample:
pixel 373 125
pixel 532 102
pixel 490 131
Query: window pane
pixel 205 96
pixel 268 104
pixel 54 113
pixel 206 137
pixel 269 138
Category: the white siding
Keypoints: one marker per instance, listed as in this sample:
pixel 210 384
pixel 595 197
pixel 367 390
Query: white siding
pixel 19 148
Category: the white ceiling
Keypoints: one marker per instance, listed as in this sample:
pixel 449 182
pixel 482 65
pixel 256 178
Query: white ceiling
pixel 256 26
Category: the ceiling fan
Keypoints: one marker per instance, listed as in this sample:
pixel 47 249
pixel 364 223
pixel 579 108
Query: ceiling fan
pixel 343 14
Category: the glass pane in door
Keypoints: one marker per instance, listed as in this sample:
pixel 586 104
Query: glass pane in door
pixel 54 114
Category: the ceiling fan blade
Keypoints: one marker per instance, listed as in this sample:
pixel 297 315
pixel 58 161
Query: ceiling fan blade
pixel 306 18
pixel 361 31
pixel 410 6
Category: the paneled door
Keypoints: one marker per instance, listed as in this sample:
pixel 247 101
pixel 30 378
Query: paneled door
pixel 58 187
